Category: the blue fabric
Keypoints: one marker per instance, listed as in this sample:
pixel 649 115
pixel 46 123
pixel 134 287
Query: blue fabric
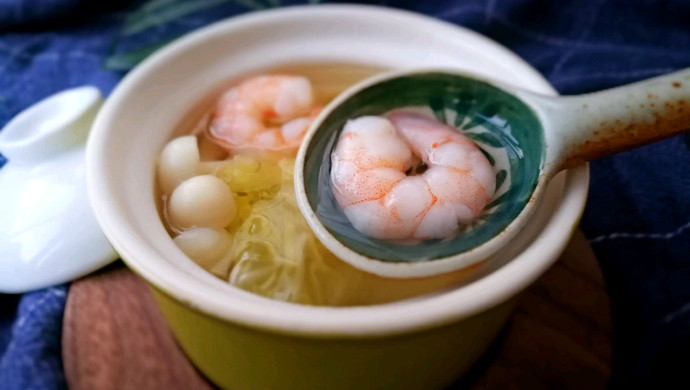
pixel 637 218
pixel 31 357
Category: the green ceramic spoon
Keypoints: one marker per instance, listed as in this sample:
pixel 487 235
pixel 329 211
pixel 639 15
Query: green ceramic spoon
pixel 527 137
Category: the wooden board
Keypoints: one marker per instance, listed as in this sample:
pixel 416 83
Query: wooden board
pixel 114 336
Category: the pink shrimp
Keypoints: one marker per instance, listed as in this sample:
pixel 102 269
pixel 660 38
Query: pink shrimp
pixel 377 180
pixel 264 113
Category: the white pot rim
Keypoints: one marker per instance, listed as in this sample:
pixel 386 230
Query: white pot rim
pixel 230 304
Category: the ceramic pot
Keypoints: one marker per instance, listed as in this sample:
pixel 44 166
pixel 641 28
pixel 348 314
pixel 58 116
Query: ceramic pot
pixel 243 341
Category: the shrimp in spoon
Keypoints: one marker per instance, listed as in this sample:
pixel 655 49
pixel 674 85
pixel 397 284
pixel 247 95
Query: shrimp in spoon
pixel 264 113
pixel 408 176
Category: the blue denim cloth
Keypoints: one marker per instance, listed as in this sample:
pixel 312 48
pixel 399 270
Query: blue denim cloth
pixel 637 218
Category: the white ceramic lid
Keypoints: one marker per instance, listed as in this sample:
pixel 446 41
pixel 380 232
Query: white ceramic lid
pixel 48 234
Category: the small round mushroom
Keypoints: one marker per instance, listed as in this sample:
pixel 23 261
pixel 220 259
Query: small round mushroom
pixel 181 159
pixel 201 201
pixel 207 247
pixel 178 161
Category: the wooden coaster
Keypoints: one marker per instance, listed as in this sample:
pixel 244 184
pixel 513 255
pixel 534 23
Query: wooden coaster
pixel 114 336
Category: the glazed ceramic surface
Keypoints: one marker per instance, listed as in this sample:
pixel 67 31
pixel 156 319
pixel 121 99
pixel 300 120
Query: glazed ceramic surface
pixel 527 138
pixel 505 129
pixel 48 233
pixel 218 324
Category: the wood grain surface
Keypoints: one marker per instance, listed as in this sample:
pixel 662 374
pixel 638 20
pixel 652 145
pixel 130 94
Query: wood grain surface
pixel 114 336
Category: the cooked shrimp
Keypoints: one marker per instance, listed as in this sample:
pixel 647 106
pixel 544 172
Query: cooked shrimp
pixel 409 176
pixel 264 112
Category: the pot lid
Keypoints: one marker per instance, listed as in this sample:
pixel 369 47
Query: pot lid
pixel 48 233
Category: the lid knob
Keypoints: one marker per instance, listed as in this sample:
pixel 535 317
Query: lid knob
pixel 51 125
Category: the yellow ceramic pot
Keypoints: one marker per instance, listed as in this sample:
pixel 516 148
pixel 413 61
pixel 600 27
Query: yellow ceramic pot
pixel 239 357
pixel 243 341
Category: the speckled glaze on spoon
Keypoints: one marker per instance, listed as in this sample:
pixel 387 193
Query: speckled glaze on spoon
pixel 527 137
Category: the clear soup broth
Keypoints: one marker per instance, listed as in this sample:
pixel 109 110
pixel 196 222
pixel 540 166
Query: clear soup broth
pixel 268 248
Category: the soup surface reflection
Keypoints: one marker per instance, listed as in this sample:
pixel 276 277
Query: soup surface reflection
pixel 228 199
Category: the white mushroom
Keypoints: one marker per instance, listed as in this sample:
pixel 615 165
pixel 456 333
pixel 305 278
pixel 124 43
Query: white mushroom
pixel 178 162
pixel 210 248
pixel 201 201
pixel 181 159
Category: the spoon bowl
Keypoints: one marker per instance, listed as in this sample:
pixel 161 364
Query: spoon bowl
pixel 527 138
